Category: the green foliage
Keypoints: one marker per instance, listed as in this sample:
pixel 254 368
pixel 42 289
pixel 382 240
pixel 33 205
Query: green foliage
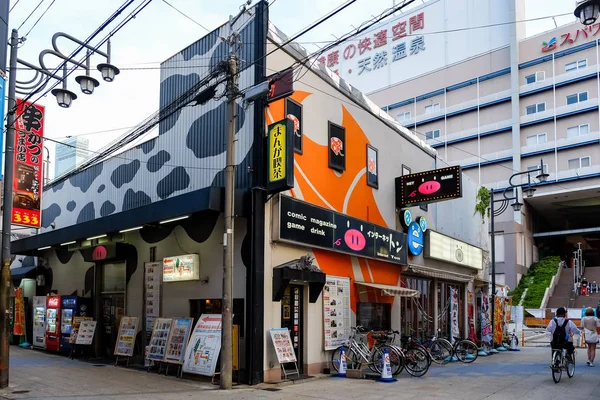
pixel 482 207
pixel 536 281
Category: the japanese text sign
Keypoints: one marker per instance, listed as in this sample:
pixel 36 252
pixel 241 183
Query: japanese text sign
pixel 280 151
pixel 429 186
pixel 28 159
pixel 583 32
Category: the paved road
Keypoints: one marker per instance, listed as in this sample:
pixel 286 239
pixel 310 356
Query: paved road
pixel 511 375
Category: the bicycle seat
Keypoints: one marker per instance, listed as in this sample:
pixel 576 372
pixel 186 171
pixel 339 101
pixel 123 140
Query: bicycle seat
pixel 361 329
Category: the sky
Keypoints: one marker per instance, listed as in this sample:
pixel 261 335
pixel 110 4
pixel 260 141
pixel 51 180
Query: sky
pixel 160 32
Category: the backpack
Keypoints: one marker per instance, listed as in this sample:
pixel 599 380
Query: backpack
pixel 560 333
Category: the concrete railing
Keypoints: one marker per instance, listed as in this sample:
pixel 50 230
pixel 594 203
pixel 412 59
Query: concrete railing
pixel 550 289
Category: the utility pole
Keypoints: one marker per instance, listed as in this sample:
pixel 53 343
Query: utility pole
pixel 9 167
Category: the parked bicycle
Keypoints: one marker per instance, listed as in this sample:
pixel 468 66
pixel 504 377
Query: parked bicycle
pixel 414 357
pixel 464 350
pixel 561 363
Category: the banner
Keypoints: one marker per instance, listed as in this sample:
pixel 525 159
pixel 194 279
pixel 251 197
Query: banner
pixel 508 309
pixel 19 321
pixel 471 316
pixel 455 331
pixel 486 323
pixel 126 339
pixel 202 352
pixel 336 311
pixel 152 281
pixel 283 345
pixel 28 175
pixel 498 316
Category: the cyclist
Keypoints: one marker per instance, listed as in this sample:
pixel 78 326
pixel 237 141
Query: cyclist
pixel 561 329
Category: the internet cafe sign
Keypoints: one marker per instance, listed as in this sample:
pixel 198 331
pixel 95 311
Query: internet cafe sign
pixel 181 268
pixel 580 35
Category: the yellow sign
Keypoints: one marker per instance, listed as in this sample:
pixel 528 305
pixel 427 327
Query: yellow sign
pixel 277 150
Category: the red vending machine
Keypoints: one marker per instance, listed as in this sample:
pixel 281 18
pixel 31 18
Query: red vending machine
pixel 53 323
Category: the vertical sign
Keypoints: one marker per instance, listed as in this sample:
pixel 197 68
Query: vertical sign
pixel 486 323
pixel 293 111
pixel 283 345
pixel 19 321
pixel 180 335
pixel 337 147
pixel 153 271
pixel 336 311
pixel 455 329
pixel 160 336
pixel 27 186
pixel 372 177
pixel 498 315
pixel 280 150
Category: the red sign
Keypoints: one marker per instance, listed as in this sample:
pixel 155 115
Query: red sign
pixel 19 321
pixel 53 302
pixel 99 253
pixel 28 159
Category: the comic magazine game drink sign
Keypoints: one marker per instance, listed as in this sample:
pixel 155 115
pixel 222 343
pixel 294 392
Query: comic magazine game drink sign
pixel 28 159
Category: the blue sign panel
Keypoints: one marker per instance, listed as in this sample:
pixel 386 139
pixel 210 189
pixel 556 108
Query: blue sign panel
pixel 415 239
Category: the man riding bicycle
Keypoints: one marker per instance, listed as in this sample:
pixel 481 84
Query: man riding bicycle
pixel 562 330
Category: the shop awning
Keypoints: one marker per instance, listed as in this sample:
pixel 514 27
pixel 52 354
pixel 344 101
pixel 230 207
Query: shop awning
pixel 436 273
pixel 389 290
pixel 299 270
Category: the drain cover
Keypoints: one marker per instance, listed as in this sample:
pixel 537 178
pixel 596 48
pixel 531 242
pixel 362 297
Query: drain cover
pixel 99 365
pixel 20 391
pixel 272 389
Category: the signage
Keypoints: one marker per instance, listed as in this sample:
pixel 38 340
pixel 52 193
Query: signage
pixel 583 33
pixel 337 147
pixel 152 281
pixel 283 345
pixel 160 336
pixel 415 239
pixel 202 351
pixel 422 223
pixel 3 33
pixel 99 253
pixel 19 321
pixel 126 339
pixel 53 302
pixel 406 218
pixel 429 186
pixel 75 328
pixel 372 167
pixel 180 334
pixel 181 268
pixel 445 248
pixel 293 111
pixel 336 311
pixel 280 150
pixel 281 84
pixel 85 336
pixel 314 226
pixel 28 160
pixel 455 329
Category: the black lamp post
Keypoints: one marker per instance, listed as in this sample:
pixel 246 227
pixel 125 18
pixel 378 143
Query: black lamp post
pixel 587 11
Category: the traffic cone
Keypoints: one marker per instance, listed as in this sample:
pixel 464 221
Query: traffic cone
pixel 482 350
pixel 513 343
pixel 386 370
pixel 343 367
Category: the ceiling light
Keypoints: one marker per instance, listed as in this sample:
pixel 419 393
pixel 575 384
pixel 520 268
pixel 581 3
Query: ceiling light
pixel 68 243
pixel 45 248
pixel 166 221
pixel 97 237
pixel 131 229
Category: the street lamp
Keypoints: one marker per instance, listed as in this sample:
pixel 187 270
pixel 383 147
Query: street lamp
pixel 587 11
pixel 529 190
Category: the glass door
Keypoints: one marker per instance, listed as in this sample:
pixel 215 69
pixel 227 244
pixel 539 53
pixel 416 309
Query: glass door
pixel 51 323
pixel 67 321
pixel 292 312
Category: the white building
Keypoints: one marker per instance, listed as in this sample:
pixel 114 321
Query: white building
pixel 69 155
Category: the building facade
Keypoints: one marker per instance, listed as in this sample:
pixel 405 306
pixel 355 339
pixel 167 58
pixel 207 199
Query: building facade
pixel 70 154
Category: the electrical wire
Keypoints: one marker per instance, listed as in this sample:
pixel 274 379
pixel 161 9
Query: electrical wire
pixel 14 5
pixel 39 19
pixel 30 14
pixel 185 15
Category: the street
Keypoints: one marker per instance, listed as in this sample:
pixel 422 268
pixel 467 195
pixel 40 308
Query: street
pixel 511 375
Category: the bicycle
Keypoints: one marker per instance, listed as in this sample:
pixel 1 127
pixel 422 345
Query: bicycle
pixel 465 350
pixel 414 357
pixel 440 351
pixel 560 362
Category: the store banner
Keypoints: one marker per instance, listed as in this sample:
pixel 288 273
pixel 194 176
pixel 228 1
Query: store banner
pixel 455 331
pixel 508 309
pixel 19 321
pixel 486 323
pixel 498 316
pixel 28 159
pixel 336 311
pixel 152 282
pixel 126 340
pixel 204 346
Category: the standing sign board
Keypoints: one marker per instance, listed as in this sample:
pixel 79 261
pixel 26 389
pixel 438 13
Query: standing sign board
pixel 126 339
pixel 202 351
pixel 180 333
pixel 75 328
pixel 336 311
pixel 159 339
pixel 283 345
pixel 152 282
pixel 85 335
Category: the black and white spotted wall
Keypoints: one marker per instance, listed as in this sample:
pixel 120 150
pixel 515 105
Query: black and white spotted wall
pixel 188 154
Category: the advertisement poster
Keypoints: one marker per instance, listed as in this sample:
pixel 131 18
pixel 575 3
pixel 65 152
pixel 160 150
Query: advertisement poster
pixel 471 316
pixel 486 323
pixel 336 311
pixel 508 309
pixel 86 332
pixel 75 329
pixel 152 281
pixel 498 316
pixel 455 329
pixel 283 345
pixel 19 322
pixel 28 160
pixel 202 351
pixel 180 333
pixel 126 339
pixel 159 339
pixel 181 268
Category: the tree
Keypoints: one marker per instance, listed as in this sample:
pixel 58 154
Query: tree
pixel 482 207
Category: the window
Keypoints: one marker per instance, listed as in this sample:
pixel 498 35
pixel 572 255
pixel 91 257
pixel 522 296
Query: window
pixel 533 167
pixel 432 134
pixel 574 66
pixel 581 162
pixel 374 316
pixel 578 130
pixel 537 139
pixel 529 79
pixel 432 108
pixel 536 108
pixel 404 116
pixel 537 77
pixel 337 147
pixel 577 98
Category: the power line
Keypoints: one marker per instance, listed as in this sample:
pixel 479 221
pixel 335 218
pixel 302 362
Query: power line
pixel 14 5
pixel 30 14
pixel 38 20
pixel 187 16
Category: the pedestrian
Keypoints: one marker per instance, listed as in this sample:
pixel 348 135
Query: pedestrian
pixel 589 323
pixel 594 287
pixel 578 288
pixel 598 310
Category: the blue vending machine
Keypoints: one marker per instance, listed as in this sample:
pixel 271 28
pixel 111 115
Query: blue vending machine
pixel 72 306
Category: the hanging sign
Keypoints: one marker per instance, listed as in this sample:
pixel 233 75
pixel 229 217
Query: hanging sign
pixel 126 339
pixel 19 322
pixel 455 331
pixel 204 346
pixel 336 311
pixel 152 281
pixel 181 268
pixel 28 161
pixel 85 336
pixel 160 336
pixel 180 334
pixel 428 187
pixel 280 152
pixel 486 323
pixel 283 345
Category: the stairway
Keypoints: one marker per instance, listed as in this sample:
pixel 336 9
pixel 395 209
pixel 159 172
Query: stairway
pixel 563 291
pixel 591 274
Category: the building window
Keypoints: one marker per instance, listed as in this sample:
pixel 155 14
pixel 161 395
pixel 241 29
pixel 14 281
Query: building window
pixel 536 108
pixel 580 162
pixel 374 316
pixel 574 66
pixel 537 77
pixel 577 98
pixel 432 108
pixel 578 130
pixel 432 134
pixel 537 139
pixel 404 116
pixel 534 167
pixel 337 147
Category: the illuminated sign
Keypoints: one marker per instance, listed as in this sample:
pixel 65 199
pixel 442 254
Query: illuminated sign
pixel 445 248
pixel 181 268
pixel 280 152
pixel 53 302
pixel 428 187
pixel 281 84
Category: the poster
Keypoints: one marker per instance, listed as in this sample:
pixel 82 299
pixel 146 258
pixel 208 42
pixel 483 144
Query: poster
pixel 486 323
pixel 283 345
pixel 180 333
pixel 152 282
pixel 86 332
pixel 181 268
pixel 498 316
pixel 471 316
pixel 455 329
pixel 159 339
pixel 508 310
pixel 126 339
pixel 28 162
pixel 19 322
pixel 202 351
pixel 75 328
pixel 336 311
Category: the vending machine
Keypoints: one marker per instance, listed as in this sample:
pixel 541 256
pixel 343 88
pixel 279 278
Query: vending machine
pixel 53 323
pixel 71 306
pixel 39 322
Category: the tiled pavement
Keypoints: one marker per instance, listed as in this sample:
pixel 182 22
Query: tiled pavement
pixel 511 375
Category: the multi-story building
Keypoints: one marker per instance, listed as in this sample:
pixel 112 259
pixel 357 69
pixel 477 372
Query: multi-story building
pixel 69 155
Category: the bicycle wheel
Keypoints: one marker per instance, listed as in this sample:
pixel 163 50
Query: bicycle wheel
pixel 335 359
pixel 556 366
pixel 420 346
pixel 416 362
pixel 467 351
pixel 396 359
pixel 440 352
pixel 571 366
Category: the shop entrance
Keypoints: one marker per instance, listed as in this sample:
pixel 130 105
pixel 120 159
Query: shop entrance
pixel 445 305
pixel 112 305
pixel 292 312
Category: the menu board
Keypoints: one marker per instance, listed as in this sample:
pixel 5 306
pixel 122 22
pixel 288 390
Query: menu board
pixel 283 345
pixel 86 332
pixel 159 339
pixel 75 328
pixel 202 351
pixel 180 333
pixel 126 339
pixel 336 311
pixel 152 282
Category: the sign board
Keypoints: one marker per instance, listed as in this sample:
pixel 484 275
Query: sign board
pixel 181 268
pixel 336 311
pixel 180 334
pixel 280 151
pixel 75 328
pixel 160 336
pixel 455 329
pixel 283 345
pixel 202 351
pixel 3 33
pixel 85 336
pixel 429 186
pixel 313 226
pixel 28 159
pixel 445 248
pixel 281 84
pixel 152 282
pixel 126 339
pixel 19 319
